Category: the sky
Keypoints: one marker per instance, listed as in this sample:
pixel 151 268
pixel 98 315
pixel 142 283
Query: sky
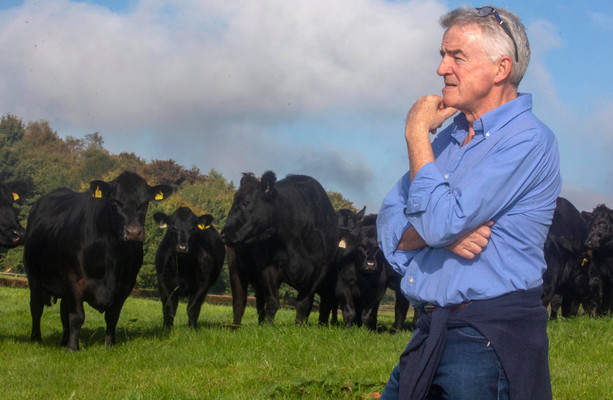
pixel 314 87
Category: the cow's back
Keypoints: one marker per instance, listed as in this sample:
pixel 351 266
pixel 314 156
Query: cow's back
pixel 304 208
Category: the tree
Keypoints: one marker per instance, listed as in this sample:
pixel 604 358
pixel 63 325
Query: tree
pixel 12 130
pixel 339 202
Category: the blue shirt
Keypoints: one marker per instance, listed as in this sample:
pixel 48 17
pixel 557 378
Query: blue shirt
pixel 508 173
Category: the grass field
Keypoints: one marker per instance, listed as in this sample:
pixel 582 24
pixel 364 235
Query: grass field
pixel 268 362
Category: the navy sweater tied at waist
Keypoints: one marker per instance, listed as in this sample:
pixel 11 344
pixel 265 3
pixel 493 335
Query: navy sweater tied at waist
pixel 514 323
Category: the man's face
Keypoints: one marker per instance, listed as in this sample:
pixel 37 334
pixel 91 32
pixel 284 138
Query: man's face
pixel 468 73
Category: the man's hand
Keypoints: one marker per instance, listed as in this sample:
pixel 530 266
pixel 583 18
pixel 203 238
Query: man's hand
pixel 472 243
pixel 426 115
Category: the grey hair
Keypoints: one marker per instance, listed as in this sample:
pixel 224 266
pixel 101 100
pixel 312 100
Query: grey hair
pixel 496 41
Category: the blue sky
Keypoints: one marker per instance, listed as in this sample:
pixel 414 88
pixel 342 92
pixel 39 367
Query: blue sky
pixel 311 87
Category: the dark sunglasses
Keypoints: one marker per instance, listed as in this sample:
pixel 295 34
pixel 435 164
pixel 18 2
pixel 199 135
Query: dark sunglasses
pixel 487 10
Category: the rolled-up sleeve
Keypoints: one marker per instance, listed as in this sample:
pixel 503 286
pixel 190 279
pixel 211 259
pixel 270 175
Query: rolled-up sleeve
pixel 392 222
pixel 442 212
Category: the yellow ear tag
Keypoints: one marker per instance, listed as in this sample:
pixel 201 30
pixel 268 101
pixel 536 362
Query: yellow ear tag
pixel 15 197
pixel 159 196
pixel 342 244
pixel 202 227
pixel 585 260
pixel 98 193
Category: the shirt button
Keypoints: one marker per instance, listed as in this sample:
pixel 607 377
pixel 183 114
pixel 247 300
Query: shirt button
pixel 411 280
pixel 446 176
pixel 487 134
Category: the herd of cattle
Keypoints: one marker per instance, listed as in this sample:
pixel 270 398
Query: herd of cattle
pixel 88 247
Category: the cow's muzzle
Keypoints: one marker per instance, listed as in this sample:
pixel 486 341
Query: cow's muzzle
pixel 134 233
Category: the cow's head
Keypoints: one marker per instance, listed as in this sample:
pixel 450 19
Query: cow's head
pixel 251 216
pixel 600 229
pixel 368 254
pixel 126 198
pixel 12 233
pixel 182 226
pixel 347 219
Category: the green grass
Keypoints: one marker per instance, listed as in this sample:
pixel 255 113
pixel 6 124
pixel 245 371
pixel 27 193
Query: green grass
pixel 254 362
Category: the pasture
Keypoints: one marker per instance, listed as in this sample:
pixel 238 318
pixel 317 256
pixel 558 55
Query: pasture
pixel 268 362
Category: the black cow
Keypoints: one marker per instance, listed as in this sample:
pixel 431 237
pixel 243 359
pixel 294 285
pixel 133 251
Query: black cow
pixel 361 275
pixel 277 232
pixel 347 220
pixel 188 261
pixel 87 247
pixel 12 233
pixel 600 244
pixel 566 279
pixel 402 304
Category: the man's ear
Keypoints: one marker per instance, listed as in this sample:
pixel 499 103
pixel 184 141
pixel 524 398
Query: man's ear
pixel 505 66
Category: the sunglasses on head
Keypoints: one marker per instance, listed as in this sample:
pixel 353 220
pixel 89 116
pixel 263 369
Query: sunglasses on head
pixel 487 10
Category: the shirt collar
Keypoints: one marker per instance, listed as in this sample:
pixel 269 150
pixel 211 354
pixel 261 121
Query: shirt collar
pixel 492 121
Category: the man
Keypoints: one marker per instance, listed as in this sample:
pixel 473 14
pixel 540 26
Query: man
pixel 467 224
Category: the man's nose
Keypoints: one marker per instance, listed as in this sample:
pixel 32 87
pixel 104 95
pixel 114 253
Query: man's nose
pixel 443 67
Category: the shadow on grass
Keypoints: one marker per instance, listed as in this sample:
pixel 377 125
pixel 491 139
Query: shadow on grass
pixel 131 330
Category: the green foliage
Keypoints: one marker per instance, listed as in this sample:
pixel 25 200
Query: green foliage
pixel 339 202
pixel 147 278
pixel 213 196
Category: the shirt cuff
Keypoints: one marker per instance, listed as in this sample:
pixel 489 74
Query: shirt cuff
pixel 424 183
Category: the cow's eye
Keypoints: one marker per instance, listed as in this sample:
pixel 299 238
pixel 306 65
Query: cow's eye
pixel 116 203
pixel 244 204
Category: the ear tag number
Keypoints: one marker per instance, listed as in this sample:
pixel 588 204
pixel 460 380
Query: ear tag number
pixel 98 193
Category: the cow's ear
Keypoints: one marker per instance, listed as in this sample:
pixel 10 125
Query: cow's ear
pixel 159 192
pixel 18 188
pixel 267 182
pixel 204 221
pixel 587 215
pixel 99 189
pixel 360 214
pixel 161 219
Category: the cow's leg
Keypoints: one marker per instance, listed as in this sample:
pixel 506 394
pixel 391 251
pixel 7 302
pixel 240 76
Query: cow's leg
pixel 260 295
pixel 369 316
pixel 270 286
pixel 195 305
pixel 347 306
pixel 238 285
pixel 556 302
pixel 326 306
pixel 37 304
pixel 304 303
pixel 111 317
pixel 76 317
pixel 65 322
pixel 401 308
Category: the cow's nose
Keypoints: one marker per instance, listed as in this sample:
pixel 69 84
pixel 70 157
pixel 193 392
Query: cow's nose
pixel 18 237
pixel 182 248
pixel 134 232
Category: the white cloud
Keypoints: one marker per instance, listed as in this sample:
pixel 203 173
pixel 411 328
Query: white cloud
pixel 215 83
